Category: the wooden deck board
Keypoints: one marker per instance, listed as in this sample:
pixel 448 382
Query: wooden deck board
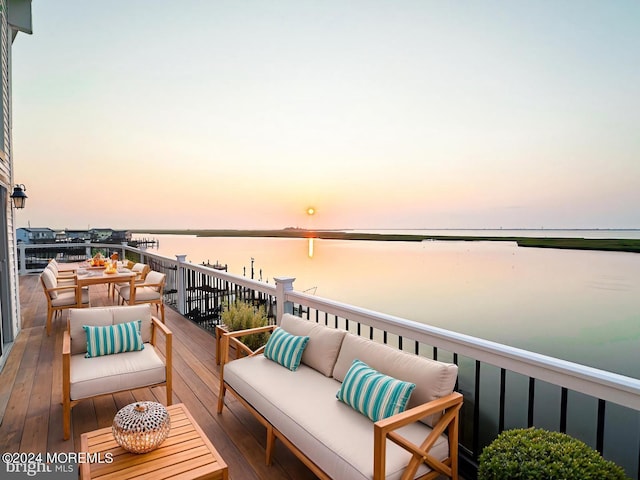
pixel 31 394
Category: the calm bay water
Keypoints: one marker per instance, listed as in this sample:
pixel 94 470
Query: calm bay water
pixel 581 306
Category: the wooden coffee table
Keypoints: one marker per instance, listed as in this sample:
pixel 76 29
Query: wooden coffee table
pixel 187 453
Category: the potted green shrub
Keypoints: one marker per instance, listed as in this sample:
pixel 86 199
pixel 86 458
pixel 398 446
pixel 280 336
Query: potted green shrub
pixel 240 315
pixel 538 454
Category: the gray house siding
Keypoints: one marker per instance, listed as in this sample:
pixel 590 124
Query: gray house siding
pixel 9 301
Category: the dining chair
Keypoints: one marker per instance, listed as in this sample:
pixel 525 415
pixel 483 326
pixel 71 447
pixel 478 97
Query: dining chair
pixel 66 277
pixel 140 269
pixel 151 291
pixel 60 297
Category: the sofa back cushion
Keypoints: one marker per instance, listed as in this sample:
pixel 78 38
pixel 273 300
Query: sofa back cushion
pixel 104 316
pixel 433 379
pixel 323 346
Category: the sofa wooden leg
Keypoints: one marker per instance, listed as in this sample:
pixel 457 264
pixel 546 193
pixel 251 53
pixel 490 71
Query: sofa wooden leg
pixel 271 440
pixel 221 397
pixel 66 419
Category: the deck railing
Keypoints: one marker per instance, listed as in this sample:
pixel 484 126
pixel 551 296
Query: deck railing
pixel 503 387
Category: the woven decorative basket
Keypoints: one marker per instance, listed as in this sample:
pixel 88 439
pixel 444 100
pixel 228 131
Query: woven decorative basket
pixel 141 427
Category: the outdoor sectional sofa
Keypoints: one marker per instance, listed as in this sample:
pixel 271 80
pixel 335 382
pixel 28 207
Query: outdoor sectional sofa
pixel 300 408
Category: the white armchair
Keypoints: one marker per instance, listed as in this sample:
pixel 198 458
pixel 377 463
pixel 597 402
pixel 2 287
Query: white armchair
pixel 84 377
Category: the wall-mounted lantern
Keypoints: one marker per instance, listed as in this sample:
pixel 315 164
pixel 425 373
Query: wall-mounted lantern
pixel 18 196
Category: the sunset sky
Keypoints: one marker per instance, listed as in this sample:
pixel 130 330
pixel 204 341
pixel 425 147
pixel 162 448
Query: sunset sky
pixel 378 114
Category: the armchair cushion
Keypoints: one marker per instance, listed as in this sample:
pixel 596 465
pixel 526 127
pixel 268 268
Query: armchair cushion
pixel 68 297
pixel 142 293
pixel 150 290
pixel 111 339
pixel 285 349
pixel 372 393
pixel 113 373
pixel 50 281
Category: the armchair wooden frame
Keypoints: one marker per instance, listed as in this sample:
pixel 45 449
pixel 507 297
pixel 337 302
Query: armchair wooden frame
pixel 449 406
pixel 68 404
pixel 51 309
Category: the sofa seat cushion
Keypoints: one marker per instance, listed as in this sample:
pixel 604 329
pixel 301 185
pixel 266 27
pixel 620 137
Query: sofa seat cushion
pixel 113 373
pixel 302 405
pixel 68 297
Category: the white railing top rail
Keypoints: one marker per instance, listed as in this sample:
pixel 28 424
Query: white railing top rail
pixel 597 383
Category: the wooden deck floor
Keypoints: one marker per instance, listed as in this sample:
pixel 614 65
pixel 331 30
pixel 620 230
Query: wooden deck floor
pixel 30 394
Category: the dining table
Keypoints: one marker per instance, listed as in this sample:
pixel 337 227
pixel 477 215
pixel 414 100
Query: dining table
pixel 95 276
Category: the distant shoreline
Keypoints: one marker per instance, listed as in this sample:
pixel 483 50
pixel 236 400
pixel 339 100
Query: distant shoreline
pixel 577 243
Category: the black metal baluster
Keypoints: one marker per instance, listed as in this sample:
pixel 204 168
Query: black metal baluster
pixel 503 394
pixel 600 432
pixel 476 413
pixel 532 393
pixel 638 463
pixel 455 361
pixel 564 400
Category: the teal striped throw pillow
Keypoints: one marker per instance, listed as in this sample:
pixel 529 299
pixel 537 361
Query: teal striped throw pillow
pixel 286 349
pixel 110 339
pixel 372 393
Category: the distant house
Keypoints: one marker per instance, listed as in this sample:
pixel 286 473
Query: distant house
pixel 108 235
pixel 100 234
pixel 35 235
pixel 120 236
pixel 77 235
